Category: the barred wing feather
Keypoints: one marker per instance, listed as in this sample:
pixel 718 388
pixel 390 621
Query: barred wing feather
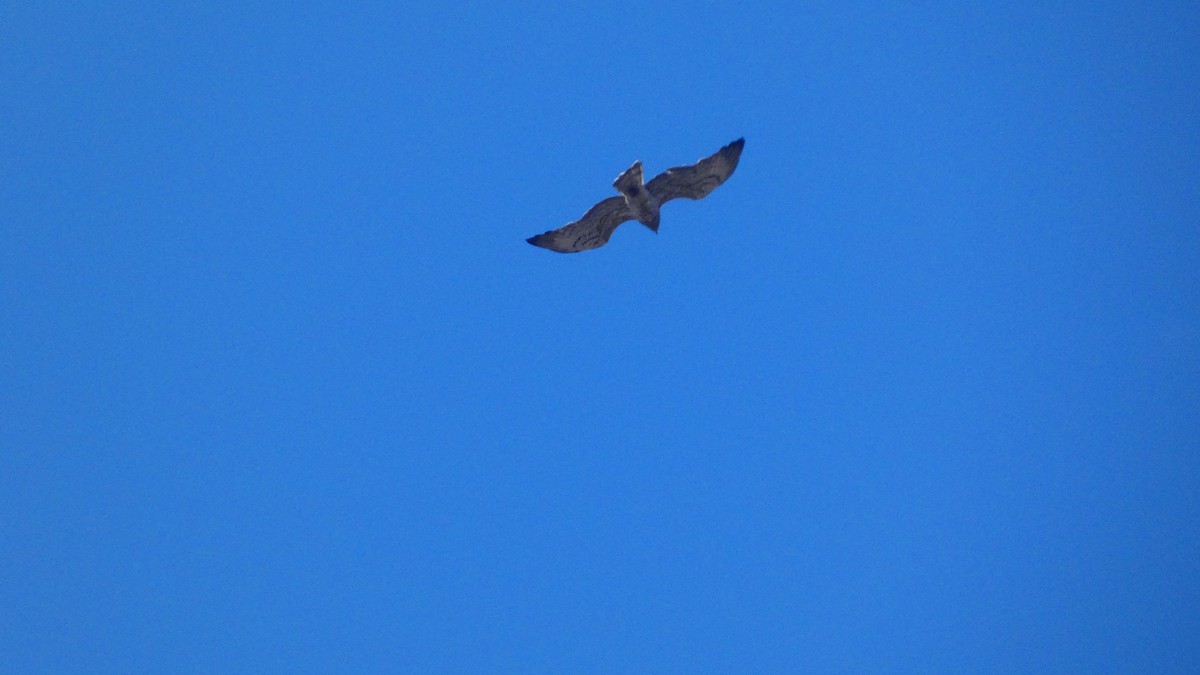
pixel 697 180
pixel 590 231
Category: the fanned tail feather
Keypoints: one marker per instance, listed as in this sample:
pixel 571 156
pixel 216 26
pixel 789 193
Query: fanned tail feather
pixel 630 179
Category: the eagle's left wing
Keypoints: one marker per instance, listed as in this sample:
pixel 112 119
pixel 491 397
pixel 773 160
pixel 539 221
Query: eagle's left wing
pixel 697 180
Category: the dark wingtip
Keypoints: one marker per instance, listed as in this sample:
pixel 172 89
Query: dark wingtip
pixel 734 149
pixel 544 241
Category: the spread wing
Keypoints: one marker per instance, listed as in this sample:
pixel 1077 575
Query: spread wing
pixel 699 179
pixel 590 231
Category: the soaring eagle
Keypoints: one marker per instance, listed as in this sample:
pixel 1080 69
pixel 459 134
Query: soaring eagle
pixel 641 202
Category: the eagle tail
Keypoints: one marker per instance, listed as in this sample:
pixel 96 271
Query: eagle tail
pixel 630 179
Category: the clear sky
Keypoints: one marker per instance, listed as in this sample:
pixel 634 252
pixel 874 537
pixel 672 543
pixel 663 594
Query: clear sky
pixel 282 387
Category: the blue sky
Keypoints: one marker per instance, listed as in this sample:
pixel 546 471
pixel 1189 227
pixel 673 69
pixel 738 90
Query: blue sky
pixel 284 388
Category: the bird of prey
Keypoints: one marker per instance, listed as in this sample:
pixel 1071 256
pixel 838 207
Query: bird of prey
pixel 641 202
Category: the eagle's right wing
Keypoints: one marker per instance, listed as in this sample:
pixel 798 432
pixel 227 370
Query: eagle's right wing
pixel 590 231
pixel 697 180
